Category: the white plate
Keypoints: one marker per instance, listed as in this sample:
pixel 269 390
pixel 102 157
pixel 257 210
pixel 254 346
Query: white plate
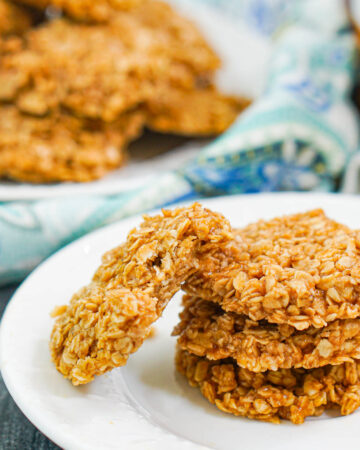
pixel 244 54
pixel 145 405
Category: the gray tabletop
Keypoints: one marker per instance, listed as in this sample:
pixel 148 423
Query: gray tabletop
pixel 16 432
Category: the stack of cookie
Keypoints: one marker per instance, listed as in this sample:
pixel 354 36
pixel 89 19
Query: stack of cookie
pixel 75 90
pixel 270 327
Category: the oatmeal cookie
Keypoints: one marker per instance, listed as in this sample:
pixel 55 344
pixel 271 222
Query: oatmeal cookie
pixel 291 394
pixel 207 330
pixel 62 147
pixel 302 270
pixel 177 35
pixel 100 71
pixel 110 318
pixel 169 30
pixel 85 69
pixel 193 112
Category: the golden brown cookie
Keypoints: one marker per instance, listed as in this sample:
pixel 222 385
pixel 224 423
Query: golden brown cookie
pixel 61 147
pixel 301 270
pixel 95 71
pixel 207 330
pixel 178 35
pixel 291 394
pixel 193 112
pixel 110 318
pixel 173 33
pixel 86 69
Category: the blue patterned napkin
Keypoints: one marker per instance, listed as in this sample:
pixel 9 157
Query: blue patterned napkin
pixel 298 136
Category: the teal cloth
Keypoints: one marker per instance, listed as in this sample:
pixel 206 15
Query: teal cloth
pixel 298 136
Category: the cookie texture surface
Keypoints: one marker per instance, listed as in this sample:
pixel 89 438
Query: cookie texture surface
pixel 193 112
pixel 61 147
pixel 91 73
pixel 291 394
pixel 98 71
pixel 207 330
pixel 301 270
pixel 110 318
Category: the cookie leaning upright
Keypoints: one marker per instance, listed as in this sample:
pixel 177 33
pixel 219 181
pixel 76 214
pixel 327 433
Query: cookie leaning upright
pixel 110 318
